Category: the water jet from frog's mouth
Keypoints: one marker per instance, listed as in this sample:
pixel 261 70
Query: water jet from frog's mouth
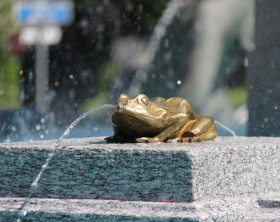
pixel 21 211
pixel 119 106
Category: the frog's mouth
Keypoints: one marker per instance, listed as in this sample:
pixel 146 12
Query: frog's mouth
pixel 119 107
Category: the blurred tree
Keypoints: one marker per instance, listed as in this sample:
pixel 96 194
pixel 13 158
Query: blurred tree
pixel 9 64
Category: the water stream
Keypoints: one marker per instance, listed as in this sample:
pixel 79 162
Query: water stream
pixel 56 147
pixel 226 128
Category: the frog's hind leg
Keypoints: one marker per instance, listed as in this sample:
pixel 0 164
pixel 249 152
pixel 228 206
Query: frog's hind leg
pixel 201 126
pixel 203 129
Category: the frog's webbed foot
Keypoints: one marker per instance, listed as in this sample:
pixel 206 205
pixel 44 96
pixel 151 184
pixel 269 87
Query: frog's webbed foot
pixel 174 140
pixel 148 140
pixel 189 139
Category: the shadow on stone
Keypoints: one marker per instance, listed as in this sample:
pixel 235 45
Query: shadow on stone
pixel 9 216
pixel 118 174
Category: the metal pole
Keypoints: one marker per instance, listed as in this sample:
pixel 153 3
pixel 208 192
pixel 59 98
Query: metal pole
pixel 42 77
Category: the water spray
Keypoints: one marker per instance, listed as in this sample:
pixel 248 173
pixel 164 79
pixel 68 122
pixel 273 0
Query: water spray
pixel 22 212
pixel 226 128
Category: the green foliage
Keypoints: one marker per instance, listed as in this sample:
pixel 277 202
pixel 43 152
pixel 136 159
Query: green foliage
pixel 107 71
pixel 9 82
pixel 237 95
pixel 9 65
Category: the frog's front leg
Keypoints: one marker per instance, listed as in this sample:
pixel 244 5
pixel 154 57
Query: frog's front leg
pixel 179 121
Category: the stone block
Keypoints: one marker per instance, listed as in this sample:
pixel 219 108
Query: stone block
pixel 162 172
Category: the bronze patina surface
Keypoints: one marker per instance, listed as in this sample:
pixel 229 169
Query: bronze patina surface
pixel 145 120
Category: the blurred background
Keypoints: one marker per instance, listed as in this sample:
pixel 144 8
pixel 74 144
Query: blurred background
pixel 59 58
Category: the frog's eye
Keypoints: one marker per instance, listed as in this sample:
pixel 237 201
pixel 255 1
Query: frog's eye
pixel 145 100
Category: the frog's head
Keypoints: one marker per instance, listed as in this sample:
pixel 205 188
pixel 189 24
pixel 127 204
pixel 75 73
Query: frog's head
pixel 136 113
pixel 139 104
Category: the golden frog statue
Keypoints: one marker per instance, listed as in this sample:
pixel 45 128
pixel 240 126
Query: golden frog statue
pixel 145 120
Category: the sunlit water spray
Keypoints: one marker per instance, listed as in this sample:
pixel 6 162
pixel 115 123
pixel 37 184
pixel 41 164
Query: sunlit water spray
pixel 34 186
pixel 226 128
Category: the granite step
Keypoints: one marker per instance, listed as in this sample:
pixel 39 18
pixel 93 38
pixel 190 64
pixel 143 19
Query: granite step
pixel 268 210
pixel 270 200
pixel 163 172
pixel 263 215
pixel 264 208
pixel 63 210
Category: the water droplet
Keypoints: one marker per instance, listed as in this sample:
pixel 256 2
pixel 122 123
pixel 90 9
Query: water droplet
pixel 167 56
pixel 170 85
pixel 22 213
pixel 228 70
pixel 179 82
pixel 71 76
pixel 45 165
pixel 140 8
pixel 166 43
pixel 56 83
pixel 95 128
pixel 43 120
pixel 26 201
pixel 14 129
pixel 42 136
pixel 246 62
pixel 34 185
pixel 38 127
pixel 33 189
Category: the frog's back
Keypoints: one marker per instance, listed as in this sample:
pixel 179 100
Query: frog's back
pixel 177 105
